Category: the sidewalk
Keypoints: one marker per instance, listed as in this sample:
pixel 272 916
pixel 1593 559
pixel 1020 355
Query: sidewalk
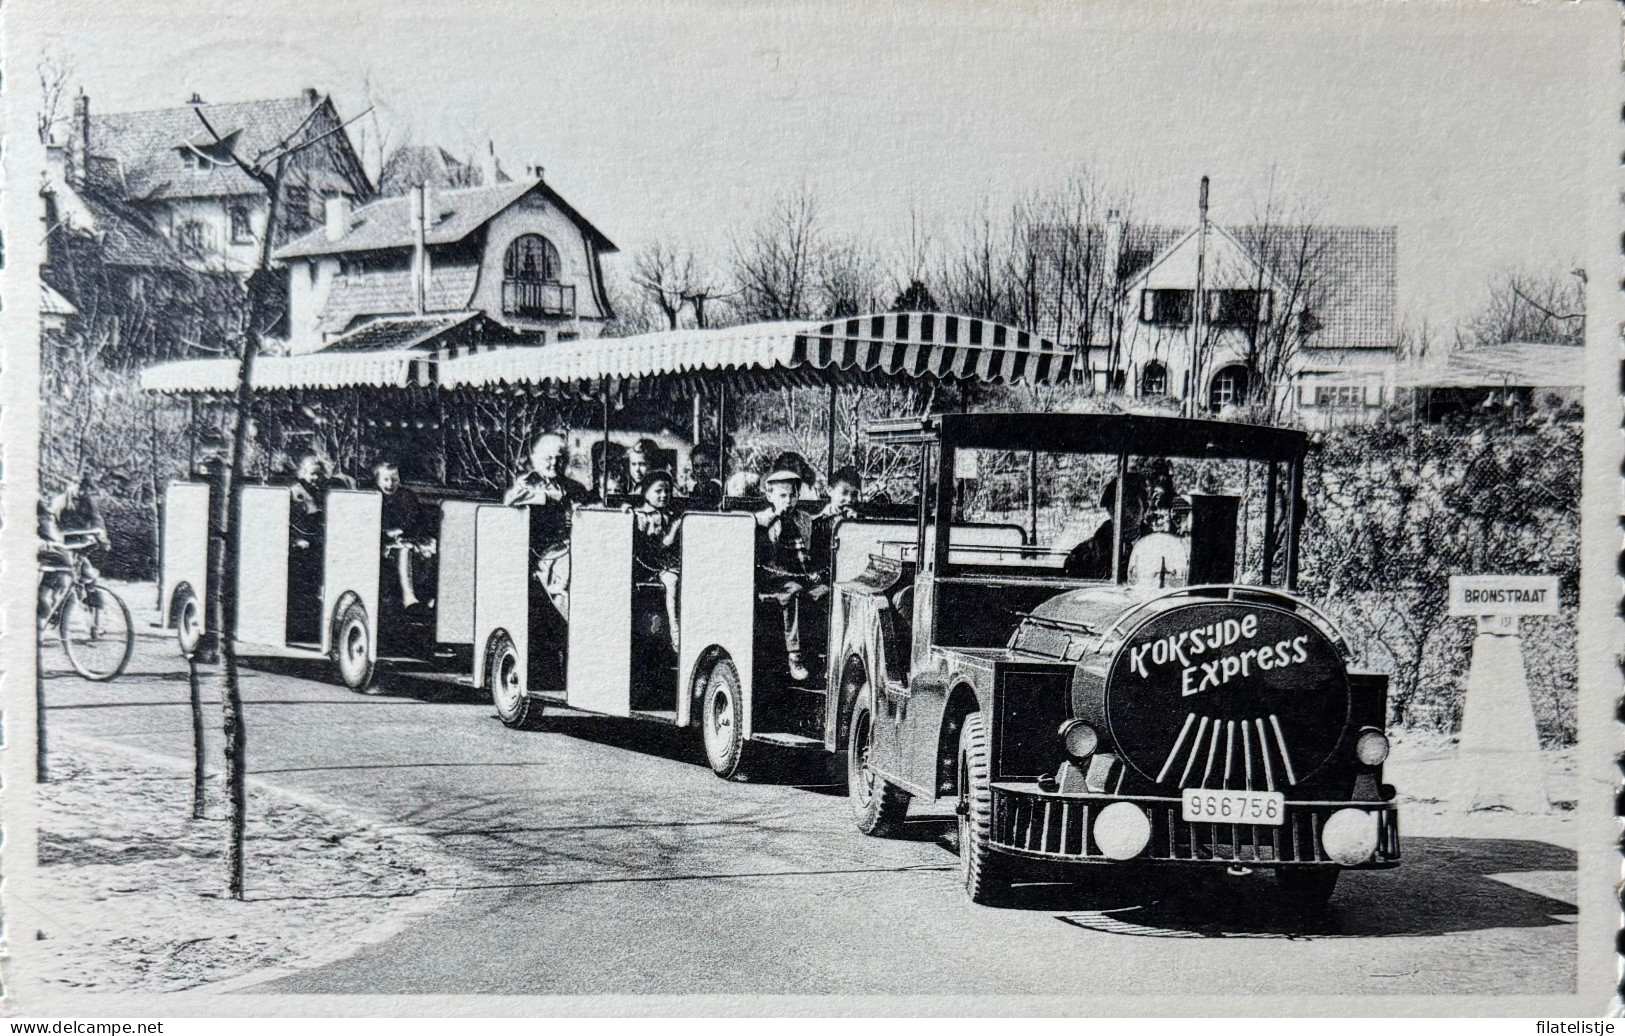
pixel 130 894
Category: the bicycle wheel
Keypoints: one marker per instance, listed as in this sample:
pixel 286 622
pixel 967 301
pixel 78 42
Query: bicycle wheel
pixel 96 633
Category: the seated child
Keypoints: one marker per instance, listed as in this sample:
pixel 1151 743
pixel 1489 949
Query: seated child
pixel 654 542
pixel 785 569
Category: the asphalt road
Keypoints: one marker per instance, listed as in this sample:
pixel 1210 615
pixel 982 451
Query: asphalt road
pixel 603 856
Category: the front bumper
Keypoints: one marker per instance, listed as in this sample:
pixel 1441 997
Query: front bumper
pixel 1031 822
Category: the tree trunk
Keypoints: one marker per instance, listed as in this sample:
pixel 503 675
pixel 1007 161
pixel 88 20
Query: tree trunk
pixel 198 744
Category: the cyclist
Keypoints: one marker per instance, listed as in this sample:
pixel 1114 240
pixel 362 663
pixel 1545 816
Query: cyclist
pixel 68 522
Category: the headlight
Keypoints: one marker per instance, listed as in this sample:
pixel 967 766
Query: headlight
pixel 1372 748
pixel 1122 831
pixel 1079 739
pixel 1350 836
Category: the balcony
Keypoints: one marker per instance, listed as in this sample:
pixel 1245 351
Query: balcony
pixel 538 299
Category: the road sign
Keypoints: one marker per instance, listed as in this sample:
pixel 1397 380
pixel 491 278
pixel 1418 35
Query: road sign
pixel 1503 595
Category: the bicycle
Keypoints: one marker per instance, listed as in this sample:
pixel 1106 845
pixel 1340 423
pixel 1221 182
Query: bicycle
pixel 92 623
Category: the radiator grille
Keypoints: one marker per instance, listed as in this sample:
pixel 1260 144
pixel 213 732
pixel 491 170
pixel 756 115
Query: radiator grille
pixel 1057 826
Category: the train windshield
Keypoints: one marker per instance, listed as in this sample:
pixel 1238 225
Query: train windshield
pixel 1185 521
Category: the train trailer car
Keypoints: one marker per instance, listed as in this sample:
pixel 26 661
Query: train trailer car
pixel 1151 694
pixel 329 593
pixel 604 648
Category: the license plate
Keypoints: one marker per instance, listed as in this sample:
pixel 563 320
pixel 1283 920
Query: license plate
pixel 1233 807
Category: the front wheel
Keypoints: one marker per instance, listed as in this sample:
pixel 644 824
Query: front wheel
pixel 188 622
pixel 505 679
pixel 352 646
pixel 878 805
pixel 96 633
pixel 722 721
pixel 981 868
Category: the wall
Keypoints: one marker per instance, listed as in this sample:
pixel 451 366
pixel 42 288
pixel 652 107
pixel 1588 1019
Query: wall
pixel 534 214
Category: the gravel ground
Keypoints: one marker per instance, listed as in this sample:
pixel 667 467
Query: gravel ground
pixel 117 843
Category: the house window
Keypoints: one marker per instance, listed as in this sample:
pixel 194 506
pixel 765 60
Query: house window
pixel 1166 306
pixel 296 209
pixel 531 257
pixel 530 280
pixel 1340 397
pixel 1242 308
pixel 1154 379
pixel 191 238
pixel 242 230
pixel 1228 388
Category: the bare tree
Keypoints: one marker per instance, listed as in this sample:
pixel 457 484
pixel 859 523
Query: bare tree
pixel 665 273
pixel 1295 278
pixel 54 77
pixel 775 267
pixel 849 279
pixel 1530 306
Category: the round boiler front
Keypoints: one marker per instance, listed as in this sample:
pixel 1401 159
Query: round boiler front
pixel 1227 694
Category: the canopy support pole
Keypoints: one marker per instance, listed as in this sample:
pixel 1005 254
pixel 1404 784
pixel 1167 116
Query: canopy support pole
pixel 1119 569
pixel 603 463
pixel 722 433
pixel 1032 497
pixel 829 437
pixel 1270 489
pixel 191 436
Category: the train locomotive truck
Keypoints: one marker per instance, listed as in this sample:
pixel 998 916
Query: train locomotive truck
pixel 1154 693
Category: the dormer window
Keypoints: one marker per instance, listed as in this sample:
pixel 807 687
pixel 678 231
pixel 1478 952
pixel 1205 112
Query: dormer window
pixel 530 280
pixel 533 258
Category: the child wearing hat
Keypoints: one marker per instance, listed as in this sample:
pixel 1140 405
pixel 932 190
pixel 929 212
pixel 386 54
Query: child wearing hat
pixel 784 556
pixel 654 541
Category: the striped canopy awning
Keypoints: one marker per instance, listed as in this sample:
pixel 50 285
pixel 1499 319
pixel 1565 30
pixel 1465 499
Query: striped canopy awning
pixel 886 345
pixel 391 369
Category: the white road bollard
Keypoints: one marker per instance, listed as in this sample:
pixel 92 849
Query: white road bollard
pixel 1498 764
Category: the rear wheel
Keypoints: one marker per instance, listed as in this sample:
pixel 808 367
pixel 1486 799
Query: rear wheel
pixel 96 633
pixel 984 871
pixel 878 805
pixel 505 679
pixel 352 646
pixel 1307 887
pixel 722 720
pixel 188 615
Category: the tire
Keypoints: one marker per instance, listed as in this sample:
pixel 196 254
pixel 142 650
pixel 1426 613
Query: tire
pixel 983 870
pixel 96 633
pixel 351 649
pixel 188 615
pixel 878 805
pixel 505 679
pixel 722 721
pixel 1307 888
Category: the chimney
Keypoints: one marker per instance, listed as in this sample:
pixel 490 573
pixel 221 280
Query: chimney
pixel 536 171
pixel 1114 246
pixel 79 141
pixel 488 164
pixel 312 97
pixel 338 217
pixel 418 207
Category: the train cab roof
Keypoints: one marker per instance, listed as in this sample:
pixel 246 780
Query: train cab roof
pixel 1137 434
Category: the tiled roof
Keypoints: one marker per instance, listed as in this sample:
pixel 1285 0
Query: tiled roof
pixel 390 291
pixel 387 223
pixel 1358 263
pixel 52 303
pixel 147 144
pixel 398 334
